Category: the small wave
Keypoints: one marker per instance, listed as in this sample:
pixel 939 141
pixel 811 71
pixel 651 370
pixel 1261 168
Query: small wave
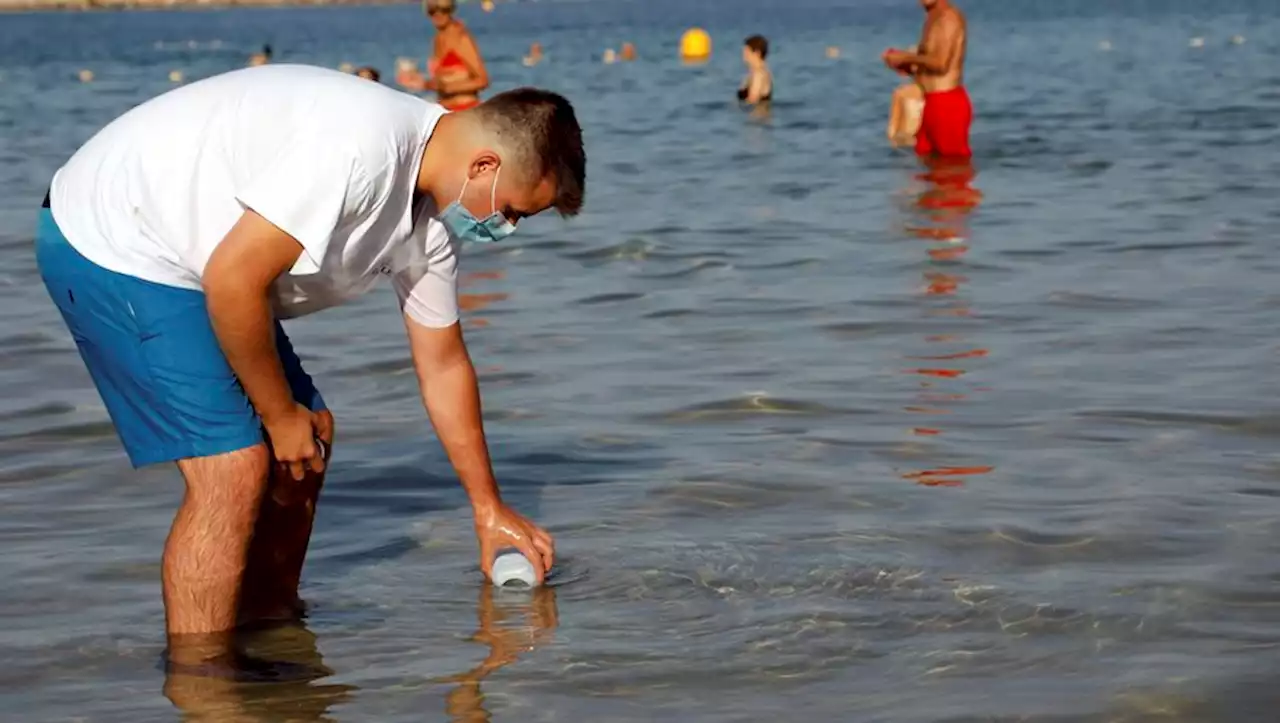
pixel 793 263
pixel 496 378
pixel 22 341
pixel 610 298
pixel 748 407
pixel 1188 246
pixel 386 367
pixel 671 313
pixel 689 271
pixel 51 409
pixel 551 245
pixel 1265 426
pixel 630 250
pixel 1097 302
pixel 66 432
pixel 623 168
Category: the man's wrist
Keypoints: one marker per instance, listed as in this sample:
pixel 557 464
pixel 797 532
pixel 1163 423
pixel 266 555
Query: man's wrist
pixel 273 412
pixel 484 501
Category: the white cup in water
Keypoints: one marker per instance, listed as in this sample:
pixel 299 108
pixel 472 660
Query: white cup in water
pixel 512 567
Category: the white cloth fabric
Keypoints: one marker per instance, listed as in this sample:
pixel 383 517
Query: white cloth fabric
pixel 330 158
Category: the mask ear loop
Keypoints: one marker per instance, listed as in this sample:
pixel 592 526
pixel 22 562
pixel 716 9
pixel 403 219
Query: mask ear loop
pixel 493 192
pixel 465 181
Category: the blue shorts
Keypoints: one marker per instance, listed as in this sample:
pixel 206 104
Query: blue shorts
pixel 153 356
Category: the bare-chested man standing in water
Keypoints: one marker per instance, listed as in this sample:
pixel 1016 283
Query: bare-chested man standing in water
pixel 938 67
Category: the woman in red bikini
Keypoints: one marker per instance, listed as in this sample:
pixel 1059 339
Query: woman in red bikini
pixel 456 71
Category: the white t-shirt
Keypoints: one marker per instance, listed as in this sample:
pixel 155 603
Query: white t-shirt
pixel 330 158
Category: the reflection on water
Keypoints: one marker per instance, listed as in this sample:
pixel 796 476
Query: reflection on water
pixel 275 676
pixel 943 198
pixel 472 301
pixel 510 623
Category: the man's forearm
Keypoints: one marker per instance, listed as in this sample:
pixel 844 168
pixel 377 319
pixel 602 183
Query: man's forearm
pixel 452 398
pixel 914 63
pixel 242 321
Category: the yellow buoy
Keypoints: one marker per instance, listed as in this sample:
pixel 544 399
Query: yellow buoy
pixel 487 6
pixel 695 44
pixel 175 76
pixel 86 76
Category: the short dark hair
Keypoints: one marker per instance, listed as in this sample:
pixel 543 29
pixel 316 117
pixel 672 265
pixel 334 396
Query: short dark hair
pixel 542 129
pixel 759 44
pixel 369 72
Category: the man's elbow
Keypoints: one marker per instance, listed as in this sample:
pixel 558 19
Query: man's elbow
pixel 221 282
pixel 217 281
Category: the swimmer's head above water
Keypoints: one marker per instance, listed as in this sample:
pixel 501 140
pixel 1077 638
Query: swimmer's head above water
pixel 261 58
pixel 440 12
pixel 754 51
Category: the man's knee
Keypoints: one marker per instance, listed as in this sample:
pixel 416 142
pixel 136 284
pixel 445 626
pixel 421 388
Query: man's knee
pixel 232 483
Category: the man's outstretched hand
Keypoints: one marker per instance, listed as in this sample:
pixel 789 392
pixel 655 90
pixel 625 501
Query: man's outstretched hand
pixel 501 527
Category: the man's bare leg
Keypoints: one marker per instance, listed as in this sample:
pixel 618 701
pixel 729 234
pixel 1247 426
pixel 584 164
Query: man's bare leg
pixel 280 542
pixel 207 551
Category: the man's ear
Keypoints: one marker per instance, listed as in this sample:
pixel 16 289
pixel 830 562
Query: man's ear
pixel 485 160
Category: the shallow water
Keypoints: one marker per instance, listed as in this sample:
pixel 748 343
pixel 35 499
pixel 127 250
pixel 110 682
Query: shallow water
pixel 819 432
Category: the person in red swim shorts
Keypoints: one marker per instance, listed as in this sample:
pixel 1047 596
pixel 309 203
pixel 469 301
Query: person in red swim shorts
pixel 938 66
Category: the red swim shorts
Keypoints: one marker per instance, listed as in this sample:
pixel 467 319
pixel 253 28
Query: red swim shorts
pixel 944 125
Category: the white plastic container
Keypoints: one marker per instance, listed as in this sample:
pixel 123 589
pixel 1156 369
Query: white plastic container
pixel 512 568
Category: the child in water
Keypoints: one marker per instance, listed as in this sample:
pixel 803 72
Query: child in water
pixel 905 111
pixel 757 87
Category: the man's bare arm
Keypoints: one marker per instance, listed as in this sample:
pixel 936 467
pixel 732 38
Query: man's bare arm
pixel 452 397
pixel 451 394
pixel 236 282
pixel 941 46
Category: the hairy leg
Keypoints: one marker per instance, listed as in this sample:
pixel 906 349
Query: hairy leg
pixel 207 550
pixel 280 542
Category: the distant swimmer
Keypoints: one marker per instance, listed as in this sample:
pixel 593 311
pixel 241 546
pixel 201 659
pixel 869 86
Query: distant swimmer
pixel 628 52
pixel 938 67
pixel 535 55
pixel 757 87
pixel 457 72
pixel 262 57
pixel 369 73
pixel 905 113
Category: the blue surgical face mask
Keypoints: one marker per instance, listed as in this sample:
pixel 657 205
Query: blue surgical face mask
pixel 466 227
